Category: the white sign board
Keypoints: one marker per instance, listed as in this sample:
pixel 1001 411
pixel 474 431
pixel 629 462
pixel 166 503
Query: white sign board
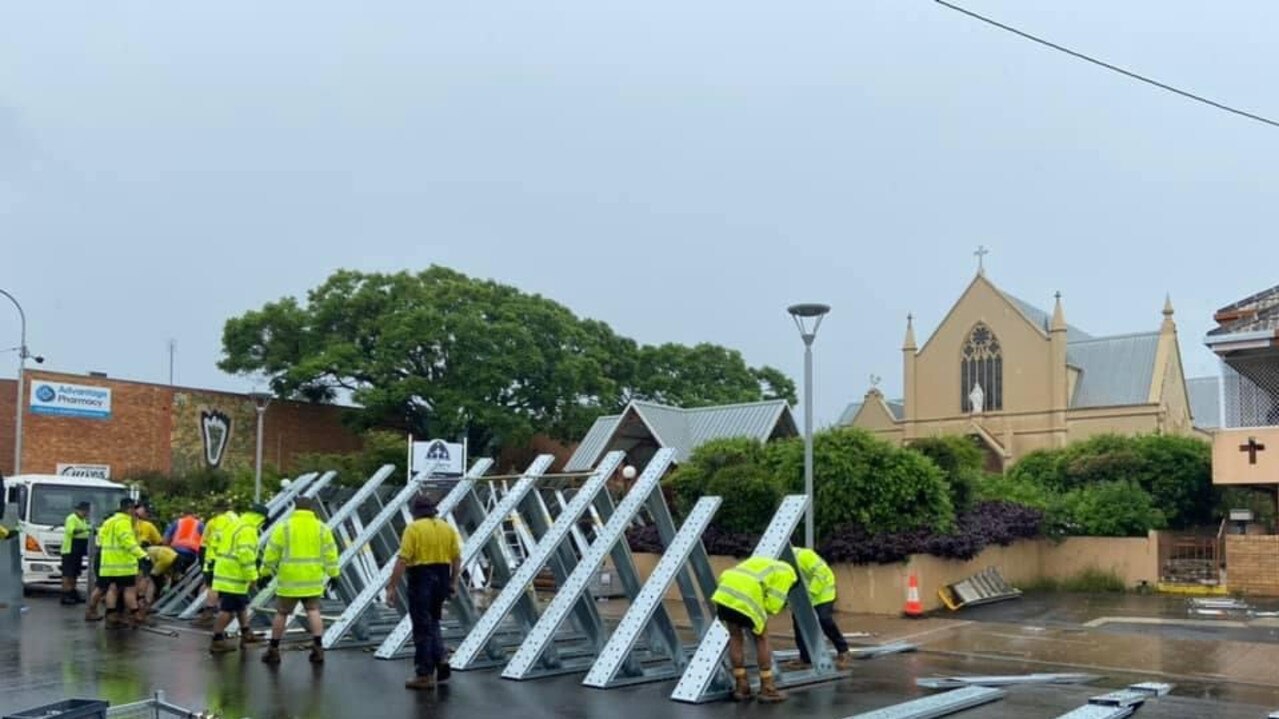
pixel 70 400
pixel 438 458
pixel 94 471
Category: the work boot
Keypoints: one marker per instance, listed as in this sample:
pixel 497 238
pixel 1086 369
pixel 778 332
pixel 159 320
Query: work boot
pixel 423 682
pixel 91 615
pixel 844 661
pixel 768 693
pixel 271 656
pixel 248 637
pixel 796 665
pixel 116 621
pixel 742 688
pixel 139 618
pixel 78 597
pixel 205 620
pixel 442 672
pixel 317 654
pixel 221 646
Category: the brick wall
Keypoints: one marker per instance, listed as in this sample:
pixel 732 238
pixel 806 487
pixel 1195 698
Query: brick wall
pixel 157 428
pixel 1252 564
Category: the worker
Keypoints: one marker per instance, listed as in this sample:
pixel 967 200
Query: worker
pixel 75 546
pixel 164 566
pixel 183 535
pixel 747 596
pixel 431 555
pixel 148 534
pixel 303 556
pixel 234 573
pixel 220 524
pixel 118 567
pixel 820 582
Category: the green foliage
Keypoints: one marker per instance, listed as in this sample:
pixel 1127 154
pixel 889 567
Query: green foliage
pixel 1260 501
pixel 1174 472
pixel 439 353
pixel 1014 488
pixel 1113 509
pixel 960 459
pixel 380 448
pixel 858 480
pixel 201 491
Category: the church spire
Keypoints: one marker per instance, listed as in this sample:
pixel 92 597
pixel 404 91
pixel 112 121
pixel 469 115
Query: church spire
pixel 1059 317
pixel 1168 324
pixel 909 344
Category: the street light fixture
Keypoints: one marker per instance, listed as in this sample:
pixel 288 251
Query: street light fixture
pixel 260 402
pixel 24 353
pixel 805 315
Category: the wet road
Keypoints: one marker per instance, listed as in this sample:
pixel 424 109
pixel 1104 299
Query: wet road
pixel 50 654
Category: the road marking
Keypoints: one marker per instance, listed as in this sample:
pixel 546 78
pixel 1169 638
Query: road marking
pixel 1162 621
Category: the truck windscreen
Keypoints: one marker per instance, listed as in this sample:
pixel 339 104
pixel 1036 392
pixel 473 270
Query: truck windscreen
pixel 51 503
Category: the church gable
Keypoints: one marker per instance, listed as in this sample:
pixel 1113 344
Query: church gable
pixel 987 340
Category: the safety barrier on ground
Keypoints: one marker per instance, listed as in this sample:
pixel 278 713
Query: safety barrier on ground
pixel 537 656
pixel 708 677
pixel 984 587
pixel 476 650
pixel 187 591
pixel 618 663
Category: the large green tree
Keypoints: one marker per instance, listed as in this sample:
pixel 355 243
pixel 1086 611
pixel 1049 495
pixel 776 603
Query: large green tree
pixel 441 353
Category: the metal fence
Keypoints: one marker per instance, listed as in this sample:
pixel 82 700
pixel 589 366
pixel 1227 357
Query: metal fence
pixel 1250 391
pixel 157 707
pixel 1191 557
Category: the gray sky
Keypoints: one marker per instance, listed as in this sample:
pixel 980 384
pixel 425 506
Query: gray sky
pixel 683 171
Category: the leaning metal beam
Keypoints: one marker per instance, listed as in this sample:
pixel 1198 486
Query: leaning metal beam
pixel 1003 680
pixel 576 589
pixel 274 504
pixel 372 588
pixel 937 705
pixel 621 643
pixel 546 551
pixel 473 546
pixel 706 678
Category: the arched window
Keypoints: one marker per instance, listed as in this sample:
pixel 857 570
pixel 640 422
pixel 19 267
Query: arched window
pixel 982 364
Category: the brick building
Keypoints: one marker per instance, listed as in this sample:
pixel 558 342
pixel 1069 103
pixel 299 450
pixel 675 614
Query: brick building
pixel 133 427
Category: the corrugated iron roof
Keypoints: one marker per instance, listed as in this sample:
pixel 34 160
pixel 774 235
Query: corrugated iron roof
pixel 896 407
pixel 850 412
pixel 1205 401
pixel 1043 319
pixel 1115 370
pixel 684 430
pixel 592 445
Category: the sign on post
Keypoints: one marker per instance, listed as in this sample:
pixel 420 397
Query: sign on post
pixel 437 458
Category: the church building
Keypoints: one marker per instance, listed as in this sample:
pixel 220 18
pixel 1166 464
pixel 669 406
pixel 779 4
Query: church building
pixel 1019 379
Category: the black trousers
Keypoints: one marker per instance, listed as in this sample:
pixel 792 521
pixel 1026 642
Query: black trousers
pixel 428 589
pixel 825 617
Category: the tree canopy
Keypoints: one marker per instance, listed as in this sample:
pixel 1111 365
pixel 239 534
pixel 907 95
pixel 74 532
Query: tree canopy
pixel 439 353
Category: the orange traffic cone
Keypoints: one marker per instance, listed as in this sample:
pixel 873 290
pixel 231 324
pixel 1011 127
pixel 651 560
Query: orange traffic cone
pixel 914 607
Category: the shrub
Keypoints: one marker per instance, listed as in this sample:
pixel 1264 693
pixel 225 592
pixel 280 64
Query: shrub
pixel 747 508
pixel 1113 509
pixel 379 448
pixel 960 459
pixel 987 523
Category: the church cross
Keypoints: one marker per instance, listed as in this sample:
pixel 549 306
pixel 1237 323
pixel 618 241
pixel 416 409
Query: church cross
pixel 981 258
pixel 1252 448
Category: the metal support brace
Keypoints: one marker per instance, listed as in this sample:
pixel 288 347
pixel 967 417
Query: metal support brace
pixel 707 677
pixel 488 531
pixel 547 551
pixel 638 619
pixel 372 588
pixel 937 705
pixel 577 588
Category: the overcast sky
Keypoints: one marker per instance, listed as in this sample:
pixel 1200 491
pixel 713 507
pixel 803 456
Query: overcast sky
pixel 683 171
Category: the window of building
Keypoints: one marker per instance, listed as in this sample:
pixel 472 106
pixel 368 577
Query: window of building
pixel 982 365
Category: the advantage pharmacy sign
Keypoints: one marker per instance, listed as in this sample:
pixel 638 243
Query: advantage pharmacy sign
pixel 70 400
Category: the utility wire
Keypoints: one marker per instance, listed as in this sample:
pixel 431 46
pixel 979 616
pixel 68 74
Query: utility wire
pixel 1108 66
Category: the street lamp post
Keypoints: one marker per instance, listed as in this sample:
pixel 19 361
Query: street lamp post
pixel 803 314
pixel 260 402
pixel 23 354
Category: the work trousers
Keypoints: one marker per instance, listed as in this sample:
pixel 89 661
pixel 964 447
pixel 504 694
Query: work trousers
pixel 428 588
pixel 825 617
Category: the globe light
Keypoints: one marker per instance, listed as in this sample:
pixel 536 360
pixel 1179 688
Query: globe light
pixel 628 472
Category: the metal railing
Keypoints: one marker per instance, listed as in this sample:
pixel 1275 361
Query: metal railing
pixel 1191 557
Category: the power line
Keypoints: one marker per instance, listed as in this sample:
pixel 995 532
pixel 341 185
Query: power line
pixel 1108 66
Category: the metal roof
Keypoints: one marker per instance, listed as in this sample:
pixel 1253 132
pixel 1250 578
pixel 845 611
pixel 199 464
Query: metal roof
pixel 1043 319
pixel 850 412
pixel 1114 370
pixel 592 445
pixel 896 407
pixel 684 430
pixel 1205 401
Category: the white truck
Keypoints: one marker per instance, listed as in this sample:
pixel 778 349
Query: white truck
pixel 40 504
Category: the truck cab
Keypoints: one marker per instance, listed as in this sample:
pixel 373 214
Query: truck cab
pixel 41 503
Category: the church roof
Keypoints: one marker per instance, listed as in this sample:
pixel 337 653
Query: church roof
pixel 1113 370
pixel 1205 401
pixel 1042 319
pixel 896 406
pixel 686 429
